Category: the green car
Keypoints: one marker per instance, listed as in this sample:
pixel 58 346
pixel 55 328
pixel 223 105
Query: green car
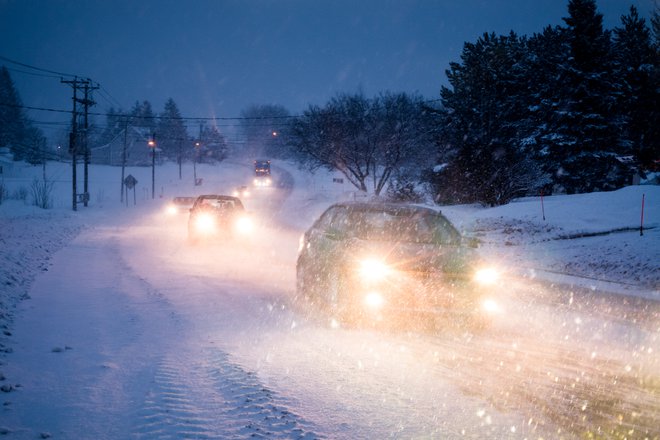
pixel 368 263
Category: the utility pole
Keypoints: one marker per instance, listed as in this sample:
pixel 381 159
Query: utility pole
pixel 123 157
pixel 152 144
pixel 72 139
pixel 198 146
pixel 86 102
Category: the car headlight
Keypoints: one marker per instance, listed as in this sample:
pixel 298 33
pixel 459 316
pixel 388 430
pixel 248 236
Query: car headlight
pixel 205 223
pixel 171 209
pixel 486 276
pixel 373 270
pixel 374 300
pixel 490 306
pixel 244 225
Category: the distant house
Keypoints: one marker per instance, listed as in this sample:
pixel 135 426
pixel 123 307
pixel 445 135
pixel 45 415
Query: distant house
pixel 6 162
pixel 135 141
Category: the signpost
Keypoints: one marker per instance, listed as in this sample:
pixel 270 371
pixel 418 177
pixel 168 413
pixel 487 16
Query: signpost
pixel 129 183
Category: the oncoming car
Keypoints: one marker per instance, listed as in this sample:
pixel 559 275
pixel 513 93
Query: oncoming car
pixel 217 216
pixel 241 191
pixel 179 205
pixel 373 262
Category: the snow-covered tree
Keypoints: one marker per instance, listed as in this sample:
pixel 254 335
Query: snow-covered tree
pixel 486 124
pixel 24 140
pixel 143 117
pixel 367 140
pixel 263 127
pixel 636 68
pixel 172 136
pixel 212 145
pixel 585 117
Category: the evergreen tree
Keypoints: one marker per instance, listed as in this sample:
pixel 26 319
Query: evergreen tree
pixel 172 135
pixel 637 70
pixel 263 126
pixel 24 140
pixel 655 27
pixel 487 124
pixel 116 120
pixel 546 67
pixel 213 145
pixel 12 120
pixel 142 116
pixel 585 119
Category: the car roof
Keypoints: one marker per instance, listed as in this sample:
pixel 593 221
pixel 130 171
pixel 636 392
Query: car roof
pixel 398 208
pixel 218 197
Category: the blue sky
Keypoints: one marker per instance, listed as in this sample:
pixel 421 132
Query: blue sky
pixel 215 57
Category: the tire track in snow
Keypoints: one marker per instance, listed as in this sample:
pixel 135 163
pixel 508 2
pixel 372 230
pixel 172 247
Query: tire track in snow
pixel 171 409
pixel 211 397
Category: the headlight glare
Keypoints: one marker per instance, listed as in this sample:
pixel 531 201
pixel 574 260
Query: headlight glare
pixel 490 306
pixel 373 270
pixel 374 300
pixel 486 276
pixel 205 223
pixel 244 225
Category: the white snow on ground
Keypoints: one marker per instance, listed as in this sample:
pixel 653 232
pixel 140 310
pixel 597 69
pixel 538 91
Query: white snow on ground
pixel 147 337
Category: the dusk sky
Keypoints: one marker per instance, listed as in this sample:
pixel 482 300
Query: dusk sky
pixel 215 58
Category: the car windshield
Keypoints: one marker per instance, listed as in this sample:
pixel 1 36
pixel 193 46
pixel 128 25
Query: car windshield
pixel 218 204
pixel 404 226
pixel 184 200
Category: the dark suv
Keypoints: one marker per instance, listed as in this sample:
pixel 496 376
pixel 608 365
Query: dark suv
pixel 217 216
pixel 371 262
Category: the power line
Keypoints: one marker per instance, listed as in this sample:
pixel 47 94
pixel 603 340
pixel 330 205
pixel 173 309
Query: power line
pixel 107 96
pixel 31 73
pixel 154 117
pixel 35 68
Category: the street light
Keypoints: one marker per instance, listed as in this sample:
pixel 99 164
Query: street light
pixel 152 145
pixel 198 144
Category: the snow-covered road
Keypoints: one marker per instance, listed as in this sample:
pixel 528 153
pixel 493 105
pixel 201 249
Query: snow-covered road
pixel 133 333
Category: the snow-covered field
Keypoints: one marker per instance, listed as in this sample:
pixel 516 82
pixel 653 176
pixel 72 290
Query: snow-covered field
pixel 113 327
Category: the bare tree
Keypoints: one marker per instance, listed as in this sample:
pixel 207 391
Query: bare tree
pixel 363 138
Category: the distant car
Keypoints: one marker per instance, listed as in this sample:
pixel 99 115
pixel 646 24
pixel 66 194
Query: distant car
pixel 242 191
pixel 179 205
pixel 371 262
pixel 217 216
pixel 262 176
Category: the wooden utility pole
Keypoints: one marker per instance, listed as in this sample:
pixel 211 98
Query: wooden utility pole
pixel 123 157
pixel 73 139
pixel 87 102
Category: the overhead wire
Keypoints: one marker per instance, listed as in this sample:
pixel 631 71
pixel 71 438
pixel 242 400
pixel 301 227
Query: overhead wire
pixel 18 63
pixel 105 94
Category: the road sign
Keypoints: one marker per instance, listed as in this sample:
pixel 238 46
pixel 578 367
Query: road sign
pixel 130 181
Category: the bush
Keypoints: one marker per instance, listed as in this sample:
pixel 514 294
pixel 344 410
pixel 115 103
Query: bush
pixel 20 194
pixel 42 193
pixel 404 189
